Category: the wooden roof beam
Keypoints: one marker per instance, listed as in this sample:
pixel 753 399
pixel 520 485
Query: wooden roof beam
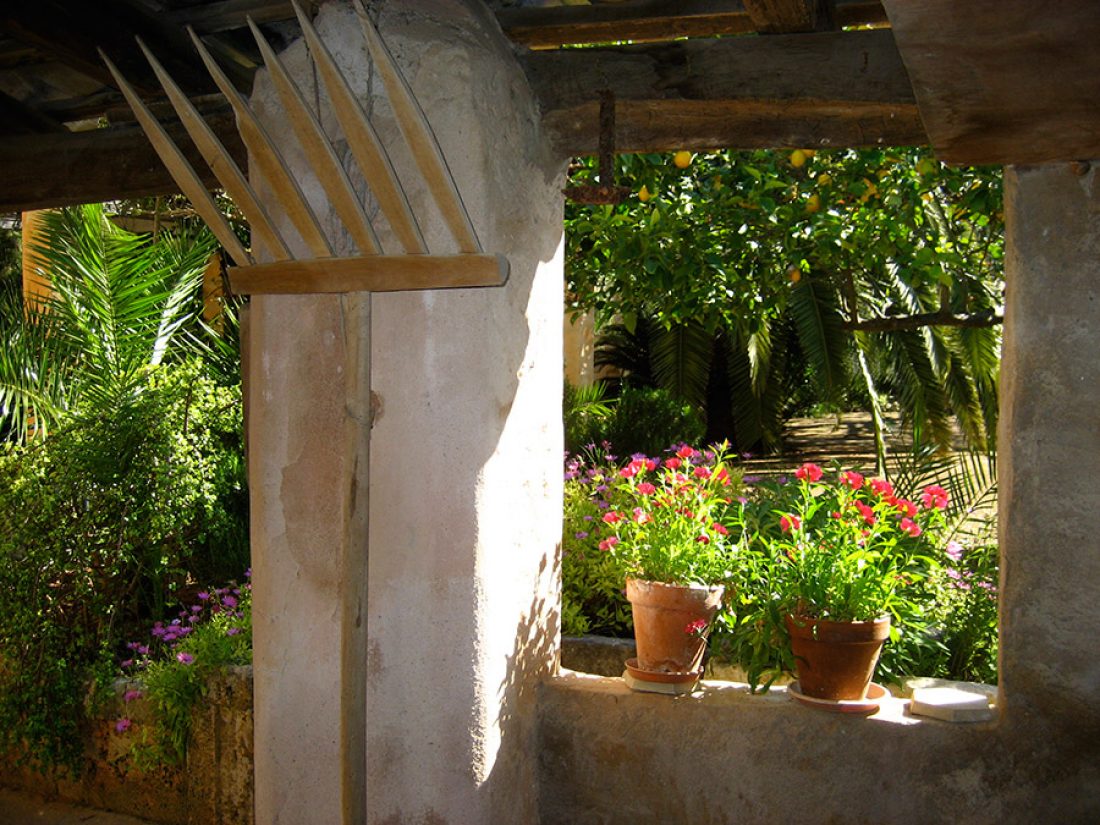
pixel 16 118
pixel 791 16
pixel 233 14
pixel 652 21
pixel 71 33
pixel 41 171
pixel 815 90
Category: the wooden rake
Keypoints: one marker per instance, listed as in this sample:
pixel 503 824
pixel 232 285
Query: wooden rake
pixel 372 270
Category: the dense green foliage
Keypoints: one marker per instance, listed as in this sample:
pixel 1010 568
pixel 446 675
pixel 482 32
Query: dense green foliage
pixel 755 270
pixel 638 420
pixel 120 305
pixel 101 524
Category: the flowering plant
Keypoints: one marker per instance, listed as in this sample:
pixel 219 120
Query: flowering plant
pixel 842 547
pixel 834 546
pixel 669 522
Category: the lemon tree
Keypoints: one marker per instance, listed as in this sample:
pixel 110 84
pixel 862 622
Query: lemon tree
pixel 771 281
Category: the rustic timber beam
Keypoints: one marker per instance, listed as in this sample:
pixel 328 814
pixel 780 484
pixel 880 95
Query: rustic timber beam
pixel 41 171
pixel 16 118
pixel 209 18
pixel 655 20
pixel 790 16
pixel 71 33
pixel 815 90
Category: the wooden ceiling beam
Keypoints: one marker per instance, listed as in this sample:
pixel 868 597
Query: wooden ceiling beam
pixel 652 21
pixel 791 16
pixel 71 33
pixel 210 18
pixel 41 171
pixel 833 89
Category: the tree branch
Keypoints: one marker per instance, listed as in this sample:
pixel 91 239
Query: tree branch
pixel 926 319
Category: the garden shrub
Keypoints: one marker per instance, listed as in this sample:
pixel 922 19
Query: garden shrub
pixel 173 667
pixel 641 420
pixel 101 524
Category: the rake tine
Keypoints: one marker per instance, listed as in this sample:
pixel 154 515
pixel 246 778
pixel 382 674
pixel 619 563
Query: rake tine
pixel 418 132
pixel 182 172
pixel 268 159
pixel 223 166
pixel 318 150
pixel 364 143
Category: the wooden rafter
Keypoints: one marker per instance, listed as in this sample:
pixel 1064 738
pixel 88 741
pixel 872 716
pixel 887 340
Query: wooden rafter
pixel 657 20
pixel 838 89
pixel 790 16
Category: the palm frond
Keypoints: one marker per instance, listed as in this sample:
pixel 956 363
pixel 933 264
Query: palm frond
pixel 680 357
pixel 818 322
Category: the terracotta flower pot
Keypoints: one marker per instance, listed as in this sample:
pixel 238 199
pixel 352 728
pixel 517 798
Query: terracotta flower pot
pixel 670 624
pixel 835 660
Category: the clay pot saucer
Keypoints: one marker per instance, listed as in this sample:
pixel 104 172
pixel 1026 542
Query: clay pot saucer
pixel 664 677
pixel 875 694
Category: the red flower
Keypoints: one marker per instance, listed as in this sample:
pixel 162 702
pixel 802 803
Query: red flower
pixel 696 628
pixel 703 539
pixel 702 472
pixel 686 452
pixel 646 489
pixel 789 522
pixel 650 464
pixel 934 496
pixel 723 477
pixel 719 529
pixel 672 463
pixel 641 516
pixel 909 526
pixel 881 487
pixel 906 507
pixel 609 542
pixel 852 479
pixel 808 472
pixel 611 517
pixel 867 513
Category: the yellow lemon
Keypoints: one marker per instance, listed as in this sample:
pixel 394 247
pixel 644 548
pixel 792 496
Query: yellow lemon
pixel 809 152
pixel 798 158
pixel 824 180
pixel 682 159
pixel 644 194
pixel 794 274
pixel 813 203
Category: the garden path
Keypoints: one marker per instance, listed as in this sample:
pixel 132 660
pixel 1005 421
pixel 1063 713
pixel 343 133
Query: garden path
pixel 18 808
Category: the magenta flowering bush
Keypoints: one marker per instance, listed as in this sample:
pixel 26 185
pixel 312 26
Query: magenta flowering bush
pixel 171 668
pixel 668 525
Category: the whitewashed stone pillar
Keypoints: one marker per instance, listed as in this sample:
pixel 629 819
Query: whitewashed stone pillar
pixel 1050 453
pixel 464 468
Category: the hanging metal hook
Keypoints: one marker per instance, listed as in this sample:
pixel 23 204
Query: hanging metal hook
pixel 605 192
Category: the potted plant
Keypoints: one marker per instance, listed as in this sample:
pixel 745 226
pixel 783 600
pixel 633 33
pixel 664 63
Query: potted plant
pixel 827 561
pixel 670 541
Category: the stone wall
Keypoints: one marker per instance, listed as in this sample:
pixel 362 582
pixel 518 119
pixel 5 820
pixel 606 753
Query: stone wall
pixel 214 787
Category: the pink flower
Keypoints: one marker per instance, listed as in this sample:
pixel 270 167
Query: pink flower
pixel 185 658
pixel 934 496
pixel 881 487
pixel 867 512
pixel 672 463
pixel 954 550
pixel 122 725
pixel 696 628
pixel 686 452
pixel 787 523
pixel 808 472
pixel 909 526
pixel 723 477
pixel 906 507
pixel 611 517
pixel 641 516
pixel 702 472
pixel 852 479
pixel 131 695
pixel 646 489
pixel 719 529
pixel 703 539
pixel 608 543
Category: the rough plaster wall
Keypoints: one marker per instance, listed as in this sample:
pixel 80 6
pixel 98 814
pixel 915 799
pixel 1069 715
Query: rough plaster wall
pixel 610 756
pixel 465 496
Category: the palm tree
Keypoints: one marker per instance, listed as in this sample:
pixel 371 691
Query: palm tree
pixel 119 301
